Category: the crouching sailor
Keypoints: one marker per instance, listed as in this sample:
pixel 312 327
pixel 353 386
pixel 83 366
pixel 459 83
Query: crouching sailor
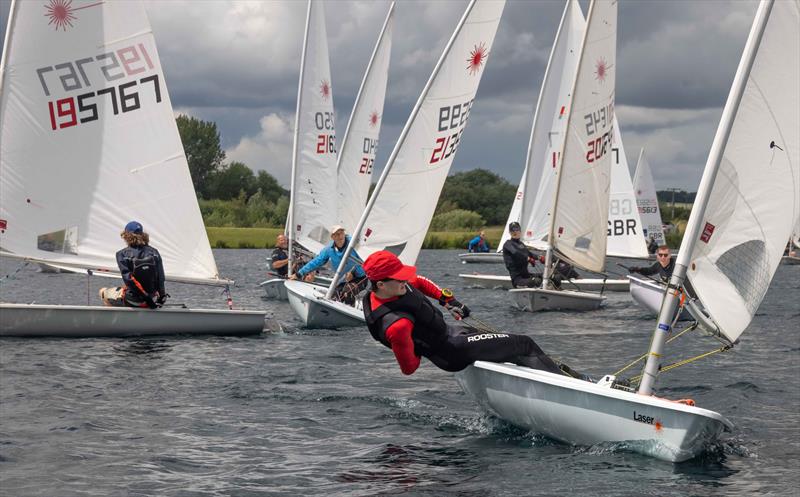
pixel 142 272
pixel 400 317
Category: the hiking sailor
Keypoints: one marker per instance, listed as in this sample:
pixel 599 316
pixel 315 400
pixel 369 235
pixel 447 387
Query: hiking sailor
pixel 400 316
pixel 663 266
pixel 516 257
pixel 142 272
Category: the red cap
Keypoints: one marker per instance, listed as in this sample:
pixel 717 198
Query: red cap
pixel 384 265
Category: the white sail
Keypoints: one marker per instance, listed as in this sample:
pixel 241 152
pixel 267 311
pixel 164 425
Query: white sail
pixel 549 126
pixel 515 214
pixel 647 201
pixel 88 141
pixel 313 202
pixel 580 212
pixel 755 196
pixel 625 233
pixel 360 142
pixel 419 164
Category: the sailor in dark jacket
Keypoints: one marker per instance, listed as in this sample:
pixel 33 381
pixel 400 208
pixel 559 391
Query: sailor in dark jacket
pixel 663 266
pixel 516 257
pixel 142 271
pixel 400 316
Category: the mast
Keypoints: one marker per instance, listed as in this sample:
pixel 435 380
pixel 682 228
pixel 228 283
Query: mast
pixel 549 253
pixel 6 47
pixel 292 186
pixel 390 162
pixel 694 225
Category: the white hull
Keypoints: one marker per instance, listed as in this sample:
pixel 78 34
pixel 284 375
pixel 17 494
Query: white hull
pixel 274 289
pixel 582 284
pixel 481 257
pixel 33 320
pixel 309 303
pixel 583 413
pixel 788 260
pixel 649 294
pixel 538 299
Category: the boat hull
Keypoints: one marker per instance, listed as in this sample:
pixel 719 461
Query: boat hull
pixel 582 284
pixel 582 413
pixel 274 289
pixel 481 258
pixel 33 320
pixel 538 299
pixel 309 303
pixel 649 294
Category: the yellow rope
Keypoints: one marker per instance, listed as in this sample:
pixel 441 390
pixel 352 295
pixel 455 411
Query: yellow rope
pixel 636 379
pixel 687 329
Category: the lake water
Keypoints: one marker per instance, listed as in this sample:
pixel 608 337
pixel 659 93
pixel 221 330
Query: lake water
pixel 327 412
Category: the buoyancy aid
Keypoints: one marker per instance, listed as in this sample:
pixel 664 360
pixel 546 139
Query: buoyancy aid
pixel 143 263
pixel 430 329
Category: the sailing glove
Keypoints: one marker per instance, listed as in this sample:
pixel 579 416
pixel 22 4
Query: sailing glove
pixel 458 308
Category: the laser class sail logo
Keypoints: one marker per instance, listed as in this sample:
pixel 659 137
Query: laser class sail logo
pixel 477 57
pixel 601 70
pixel 325 89
pixel 374 117
pixel 61 13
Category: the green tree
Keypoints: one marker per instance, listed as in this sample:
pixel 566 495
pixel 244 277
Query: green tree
pixel 480 191
pixel 204 154
pixel 231 181
pixel 269 187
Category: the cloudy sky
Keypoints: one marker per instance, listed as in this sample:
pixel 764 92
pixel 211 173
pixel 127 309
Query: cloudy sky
pixel 237 63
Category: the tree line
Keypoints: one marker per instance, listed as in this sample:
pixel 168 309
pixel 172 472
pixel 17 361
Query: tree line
pixel 231 194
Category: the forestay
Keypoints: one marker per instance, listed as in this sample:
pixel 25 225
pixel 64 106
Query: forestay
pixel 647 201
pixel 418 166
pixel 580 212
pixel 625 235
pixel 360 142
pixel 754 200
pixel 313 203
pixel 549 125
pixel 88 141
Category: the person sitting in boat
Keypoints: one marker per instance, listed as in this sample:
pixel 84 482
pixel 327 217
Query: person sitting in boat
pixel 517 256
pixel 353 281
pixel 142 272
pixel 652 246
pixel 479 243
pixel 400 316
pixel 663 266
pixel 280 258
pixel 564 271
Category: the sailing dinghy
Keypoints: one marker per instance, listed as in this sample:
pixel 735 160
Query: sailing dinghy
pixel 420 160
pixel 756 145
pixel 647 201
pixel 355 160
pixel 88 141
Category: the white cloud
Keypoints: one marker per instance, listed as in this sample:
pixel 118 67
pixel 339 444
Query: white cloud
pixel 270 149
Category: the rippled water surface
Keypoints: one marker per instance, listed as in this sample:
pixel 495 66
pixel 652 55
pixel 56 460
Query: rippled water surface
pixel 327 412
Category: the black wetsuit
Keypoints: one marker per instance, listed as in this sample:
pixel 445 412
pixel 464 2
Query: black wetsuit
pixel 452 348
pixel 516 258
pixel 143 265
pixel 280 254
pixel 656 268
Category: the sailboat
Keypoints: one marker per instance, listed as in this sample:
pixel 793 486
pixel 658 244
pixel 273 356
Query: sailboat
pixel 756 144
pixel 346 193
pixel 420 159
pixel 88 140
pixel 537 187
pixel 647 201
pixel 792 257
pixel 573 227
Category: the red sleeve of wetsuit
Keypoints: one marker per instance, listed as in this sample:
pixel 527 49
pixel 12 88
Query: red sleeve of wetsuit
pixel 399 336
pixel 427 287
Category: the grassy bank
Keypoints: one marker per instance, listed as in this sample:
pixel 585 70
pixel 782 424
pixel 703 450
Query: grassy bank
pixel 265 237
